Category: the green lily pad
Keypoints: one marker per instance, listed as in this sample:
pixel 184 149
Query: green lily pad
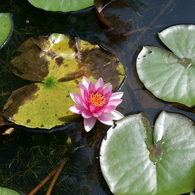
pixel 135 160
pixel 61 5
pixel 6 27
pixel 170 75
pixel 56 64
pixel 6 191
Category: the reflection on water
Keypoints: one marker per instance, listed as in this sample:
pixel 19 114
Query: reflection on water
pixel 26 157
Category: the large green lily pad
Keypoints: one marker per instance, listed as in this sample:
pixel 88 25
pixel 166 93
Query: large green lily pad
pixel 56 64
pixel 170 75
pixel 6 27
pixel 136 160
pixel 6 191
pixel 61 5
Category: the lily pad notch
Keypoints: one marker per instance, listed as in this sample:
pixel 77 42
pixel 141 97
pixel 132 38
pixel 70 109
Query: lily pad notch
pixel 135 159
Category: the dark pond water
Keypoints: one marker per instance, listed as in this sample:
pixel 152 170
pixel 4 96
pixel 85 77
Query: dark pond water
pixel 27 157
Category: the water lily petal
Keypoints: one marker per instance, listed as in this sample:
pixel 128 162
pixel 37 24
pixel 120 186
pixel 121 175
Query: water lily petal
pixel 100 90
pixel 107 92
pixel 109 108
pixel 85 105
pixel 87 114
pixel 76 97
pixel 92 88
pixel 86 97
pixel 92 108
pixel 114 102
pixel 83 89
pixel 108 122
pixel 106 118
pixel 85 82
pixel 78 109
pixel 117 115
pixel 117 95
pixel 89 123
pixel 107 88
pixel 97 114
pixel 99 83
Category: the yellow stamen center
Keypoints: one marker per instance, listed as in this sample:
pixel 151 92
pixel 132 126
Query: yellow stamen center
pixel 97 99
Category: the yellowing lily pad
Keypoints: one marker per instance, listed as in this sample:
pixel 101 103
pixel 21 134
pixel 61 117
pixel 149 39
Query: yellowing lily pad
pixel 56 64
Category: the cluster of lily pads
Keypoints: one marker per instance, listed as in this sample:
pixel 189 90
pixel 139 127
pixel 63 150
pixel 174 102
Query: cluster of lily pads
pixel 134 157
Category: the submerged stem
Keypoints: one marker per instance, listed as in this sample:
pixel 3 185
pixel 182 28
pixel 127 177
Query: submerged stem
pixel 154 20
pixel 57 173
pixel 43 182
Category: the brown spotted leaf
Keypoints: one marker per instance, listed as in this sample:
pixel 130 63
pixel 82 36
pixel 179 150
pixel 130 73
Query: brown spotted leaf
pixel 56 64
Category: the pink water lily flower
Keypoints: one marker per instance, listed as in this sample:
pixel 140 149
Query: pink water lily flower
pixel 96 102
